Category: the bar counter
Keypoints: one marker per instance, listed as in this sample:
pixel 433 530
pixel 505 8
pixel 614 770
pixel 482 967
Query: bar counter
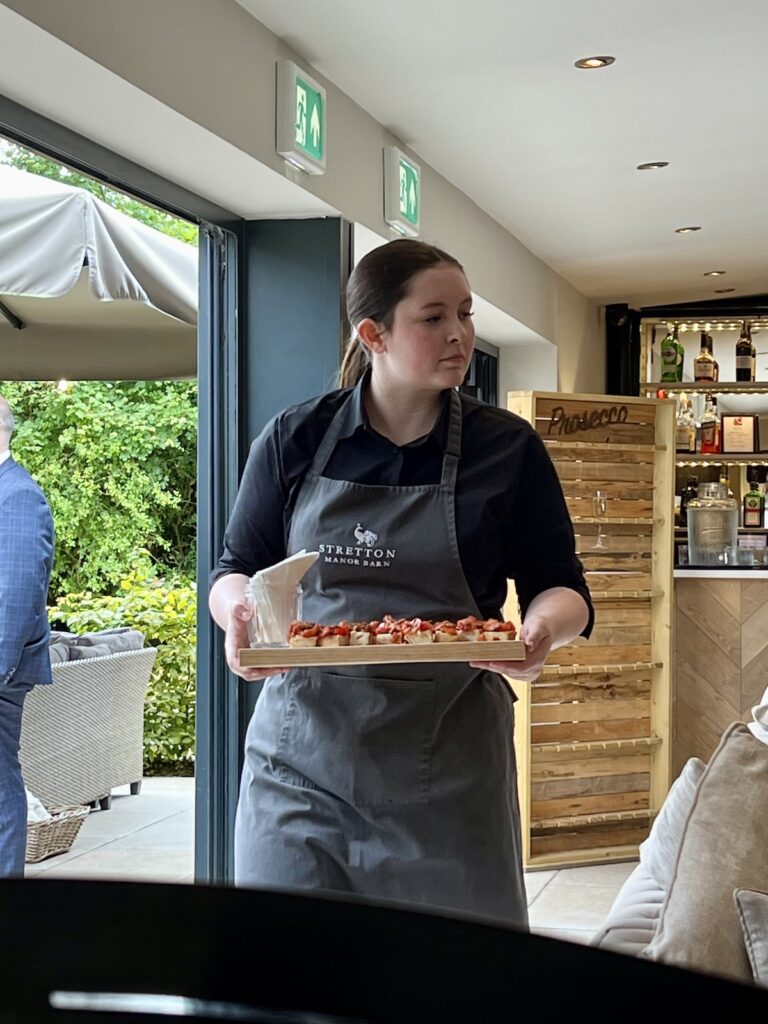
pixel 721 654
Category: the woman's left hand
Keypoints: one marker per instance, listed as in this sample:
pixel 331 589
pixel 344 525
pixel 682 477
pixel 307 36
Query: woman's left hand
pixel 536 634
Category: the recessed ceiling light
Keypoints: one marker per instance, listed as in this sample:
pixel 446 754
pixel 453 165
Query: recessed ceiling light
pixel 722 291
pixel 654 165
pixel 684 231
pixel 590 63
pixel 713 273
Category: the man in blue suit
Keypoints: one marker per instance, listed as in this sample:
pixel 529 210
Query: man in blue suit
pixel 26 556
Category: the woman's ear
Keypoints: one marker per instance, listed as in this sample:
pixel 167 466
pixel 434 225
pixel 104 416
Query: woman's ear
pixel 370 334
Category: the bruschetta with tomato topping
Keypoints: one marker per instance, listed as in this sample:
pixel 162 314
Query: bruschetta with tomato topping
pixel 495 630
pixel 418 631
pixel 303 634
pixel 334 636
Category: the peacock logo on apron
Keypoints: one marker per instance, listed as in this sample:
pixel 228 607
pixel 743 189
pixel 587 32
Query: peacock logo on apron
pixel 364 553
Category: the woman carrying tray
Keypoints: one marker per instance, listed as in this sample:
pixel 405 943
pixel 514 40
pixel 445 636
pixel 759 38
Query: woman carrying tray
pixel 397 781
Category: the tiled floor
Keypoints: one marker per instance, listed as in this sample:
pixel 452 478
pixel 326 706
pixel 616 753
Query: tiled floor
pixel 572 903
pixel 150 837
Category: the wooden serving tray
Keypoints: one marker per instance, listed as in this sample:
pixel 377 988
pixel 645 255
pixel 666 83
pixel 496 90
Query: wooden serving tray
pixel 386 654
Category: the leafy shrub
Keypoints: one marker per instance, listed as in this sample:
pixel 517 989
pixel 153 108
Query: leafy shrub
pixel 164 610
pixel 116 461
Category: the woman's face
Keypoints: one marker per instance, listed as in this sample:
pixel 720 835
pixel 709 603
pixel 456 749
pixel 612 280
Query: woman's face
pixel 432 337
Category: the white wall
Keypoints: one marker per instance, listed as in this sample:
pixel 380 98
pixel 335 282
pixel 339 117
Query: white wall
pixel 214 65
pixel 527 368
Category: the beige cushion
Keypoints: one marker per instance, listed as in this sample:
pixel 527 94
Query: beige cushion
pixel 658 852
pixel 723 848
pixel 753 912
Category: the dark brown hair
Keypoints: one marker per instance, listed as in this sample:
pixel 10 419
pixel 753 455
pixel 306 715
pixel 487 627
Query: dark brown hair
pixel 376 285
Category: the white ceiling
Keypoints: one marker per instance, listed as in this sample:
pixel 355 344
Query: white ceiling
pixel 491 324
pixel 487 94
pixel 41 72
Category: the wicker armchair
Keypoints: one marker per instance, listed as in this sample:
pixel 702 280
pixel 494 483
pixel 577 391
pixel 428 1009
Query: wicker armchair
pixel 84 734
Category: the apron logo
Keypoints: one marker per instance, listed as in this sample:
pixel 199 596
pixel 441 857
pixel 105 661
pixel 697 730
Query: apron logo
pixel 365 553
pixel 365 537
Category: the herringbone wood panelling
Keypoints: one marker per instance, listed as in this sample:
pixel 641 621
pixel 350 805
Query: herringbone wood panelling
pixel 721 667
pixel 705 610
pixel 754 594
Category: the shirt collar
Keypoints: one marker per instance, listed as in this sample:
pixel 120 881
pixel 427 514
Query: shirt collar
pixel 354 416
pixel 4 455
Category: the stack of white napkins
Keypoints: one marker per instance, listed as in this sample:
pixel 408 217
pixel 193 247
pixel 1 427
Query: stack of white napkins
pixel 273 591
pixel 287 573
pixel 35 809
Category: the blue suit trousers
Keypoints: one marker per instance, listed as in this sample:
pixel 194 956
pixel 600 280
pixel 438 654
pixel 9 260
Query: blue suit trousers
pixel 13 801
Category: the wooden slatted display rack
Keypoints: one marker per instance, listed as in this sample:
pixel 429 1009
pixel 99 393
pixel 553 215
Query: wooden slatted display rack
pixel 593 732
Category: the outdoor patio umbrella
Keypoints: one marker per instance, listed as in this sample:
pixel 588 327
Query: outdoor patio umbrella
pixel 87 292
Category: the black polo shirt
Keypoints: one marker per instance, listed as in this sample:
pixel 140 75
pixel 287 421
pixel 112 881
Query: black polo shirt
pixel 511 517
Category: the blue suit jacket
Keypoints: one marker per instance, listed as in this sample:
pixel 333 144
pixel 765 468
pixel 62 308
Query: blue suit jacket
pixel 26 557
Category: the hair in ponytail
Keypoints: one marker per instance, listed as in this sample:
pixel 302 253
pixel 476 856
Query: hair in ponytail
pixel 376 285
pixel 354 364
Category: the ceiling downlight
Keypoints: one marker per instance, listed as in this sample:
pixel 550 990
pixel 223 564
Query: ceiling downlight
pixel 593 63
pixel 653 165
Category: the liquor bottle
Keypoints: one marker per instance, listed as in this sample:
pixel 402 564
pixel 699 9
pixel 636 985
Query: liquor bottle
pixel 685 433
pixel 754 505
pixel 690 490
pixel 672 353
pixel 710 427
pixel 711 347
pixel 704 364
pixel 725 481
pixel 712 351
pixel 745 355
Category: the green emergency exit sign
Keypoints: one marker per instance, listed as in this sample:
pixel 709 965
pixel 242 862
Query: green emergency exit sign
pixel 309 123
pixel 300 118
pixel 402 192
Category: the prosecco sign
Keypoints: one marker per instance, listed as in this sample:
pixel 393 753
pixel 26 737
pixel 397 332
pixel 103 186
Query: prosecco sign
pixel 561 423
pixel 611 421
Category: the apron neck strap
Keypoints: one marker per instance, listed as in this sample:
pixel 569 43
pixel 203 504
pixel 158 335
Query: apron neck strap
pixel 452 446
pixel 453 443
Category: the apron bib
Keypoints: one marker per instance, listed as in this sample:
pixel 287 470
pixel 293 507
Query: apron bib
pixel 393 781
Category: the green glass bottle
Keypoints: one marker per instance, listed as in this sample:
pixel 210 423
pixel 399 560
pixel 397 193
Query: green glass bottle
pixel 672 352
pixel 753 505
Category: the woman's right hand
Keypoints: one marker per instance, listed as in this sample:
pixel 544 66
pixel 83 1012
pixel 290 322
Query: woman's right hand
pixel 236 638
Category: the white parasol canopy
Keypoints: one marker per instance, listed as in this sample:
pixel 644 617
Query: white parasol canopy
pixel 87 292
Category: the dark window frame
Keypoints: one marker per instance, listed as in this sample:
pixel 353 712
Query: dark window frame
pixel 220 697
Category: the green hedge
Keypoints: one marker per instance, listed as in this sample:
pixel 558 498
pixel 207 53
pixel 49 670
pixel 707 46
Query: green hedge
pixel 165 612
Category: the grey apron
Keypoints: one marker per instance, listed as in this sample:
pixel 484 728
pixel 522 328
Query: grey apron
pixel 393 781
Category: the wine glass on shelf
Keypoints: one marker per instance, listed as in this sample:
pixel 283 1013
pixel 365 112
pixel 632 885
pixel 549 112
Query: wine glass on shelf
pixel 599 509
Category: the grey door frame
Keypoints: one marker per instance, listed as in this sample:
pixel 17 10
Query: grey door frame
pixel 219 695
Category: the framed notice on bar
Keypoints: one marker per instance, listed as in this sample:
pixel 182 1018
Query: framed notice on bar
pixel 738 434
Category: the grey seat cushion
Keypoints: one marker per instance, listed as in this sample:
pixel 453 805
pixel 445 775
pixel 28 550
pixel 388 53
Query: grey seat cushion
pixel 122 639
pixel 753 914
pixel 77 652
pixel 632 920
pixel 58 652
pixel 74 647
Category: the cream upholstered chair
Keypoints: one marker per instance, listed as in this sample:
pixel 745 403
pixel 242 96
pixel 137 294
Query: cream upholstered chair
pixel 83 735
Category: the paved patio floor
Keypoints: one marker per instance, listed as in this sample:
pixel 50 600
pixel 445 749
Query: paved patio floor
pixel 148 837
